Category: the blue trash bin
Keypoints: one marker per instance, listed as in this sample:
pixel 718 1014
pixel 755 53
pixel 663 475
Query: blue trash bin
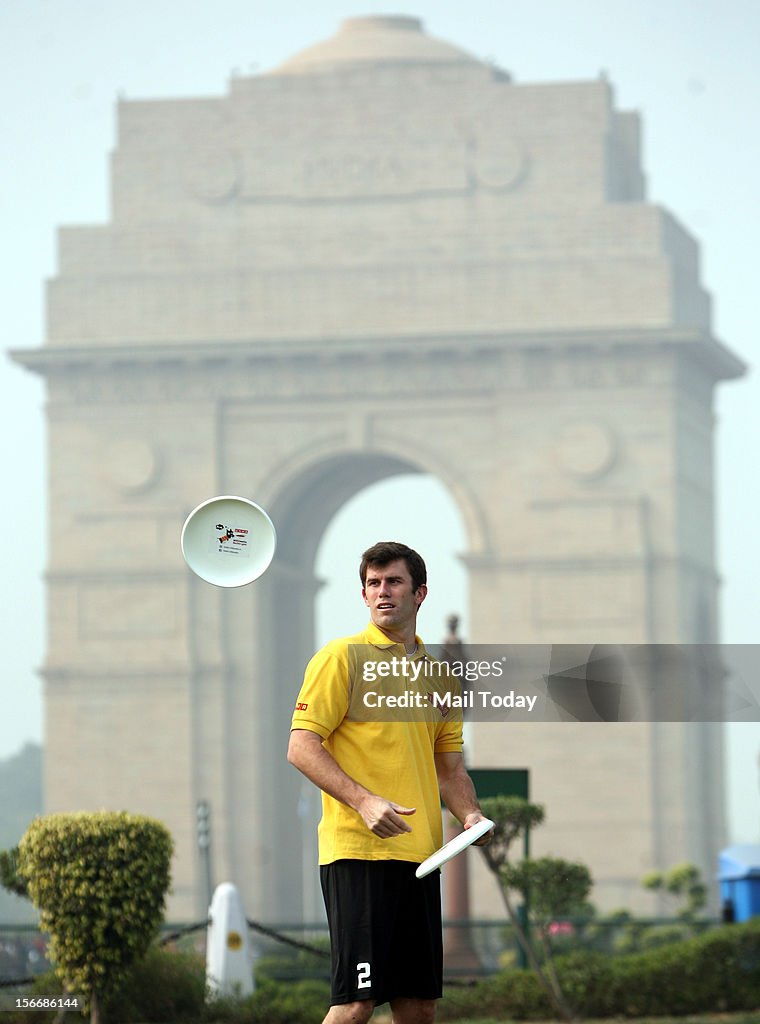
pixel 739 877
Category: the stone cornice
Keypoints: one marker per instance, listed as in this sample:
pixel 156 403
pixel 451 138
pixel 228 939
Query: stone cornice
pixel 50 360
pixel 119 575
pixel 113 675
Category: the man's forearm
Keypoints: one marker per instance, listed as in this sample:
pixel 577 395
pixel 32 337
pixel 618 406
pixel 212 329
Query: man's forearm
pixel 460 797
pixel 457 789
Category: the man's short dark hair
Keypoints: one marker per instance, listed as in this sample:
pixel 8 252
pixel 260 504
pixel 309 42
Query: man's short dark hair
pixel 386 551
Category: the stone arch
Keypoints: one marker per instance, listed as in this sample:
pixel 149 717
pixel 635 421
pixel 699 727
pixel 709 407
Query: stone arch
pixel 425 308
pixel 317 481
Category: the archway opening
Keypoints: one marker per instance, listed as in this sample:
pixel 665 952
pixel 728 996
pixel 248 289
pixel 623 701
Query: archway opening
pixel 336 511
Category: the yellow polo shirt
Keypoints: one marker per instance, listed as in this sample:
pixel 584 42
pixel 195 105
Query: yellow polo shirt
pixel 388 752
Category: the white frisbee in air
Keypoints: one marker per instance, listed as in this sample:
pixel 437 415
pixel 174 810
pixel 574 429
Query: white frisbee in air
pixel 453 847
pixel 228 541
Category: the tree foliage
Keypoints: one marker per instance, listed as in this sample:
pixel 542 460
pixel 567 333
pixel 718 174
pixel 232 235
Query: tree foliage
pixel 684 883
pixel 550 888
pixel 512 817
pixel 99 881
pixel 553 887
pixel 10 879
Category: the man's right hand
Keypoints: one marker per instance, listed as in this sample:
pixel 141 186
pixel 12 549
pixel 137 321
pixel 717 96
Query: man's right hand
pixel 383 817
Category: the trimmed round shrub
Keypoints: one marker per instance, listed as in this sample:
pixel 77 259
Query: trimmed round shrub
pixel 100 881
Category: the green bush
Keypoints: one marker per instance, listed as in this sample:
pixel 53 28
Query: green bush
pixel 515 993
pixel 301 1002
pixel 588 981
pixel 170 988
pixel 9 875
pixel 162 987
pixel 99 881
pixel 283 963
pixel 716 972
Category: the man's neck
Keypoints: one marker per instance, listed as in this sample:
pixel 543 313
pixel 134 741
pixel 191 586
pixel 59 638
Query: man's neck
pixel 409 640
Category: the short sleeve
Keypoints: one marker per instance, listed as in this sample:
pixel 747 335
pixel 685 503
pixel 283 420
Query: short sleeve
pixel 449 737
pixel 323 699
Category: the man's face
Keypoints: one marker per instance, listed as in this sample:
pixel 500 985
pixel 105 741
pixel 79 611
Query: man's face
pixel 390 597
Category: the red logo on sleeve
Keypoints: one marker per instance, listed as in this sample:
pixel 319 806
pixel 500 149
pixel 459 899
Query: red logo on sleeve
pixel 301 707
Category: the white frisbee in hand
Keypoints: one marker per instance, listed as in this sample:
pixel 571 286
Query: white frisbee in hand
pixel 454 846
pixel 228 541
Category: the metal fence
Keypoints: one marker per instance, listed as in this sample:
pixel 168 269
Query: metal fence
pixel 288 951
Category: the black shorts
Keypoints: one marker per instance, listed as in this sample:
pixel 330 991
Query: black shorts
pixel 385 930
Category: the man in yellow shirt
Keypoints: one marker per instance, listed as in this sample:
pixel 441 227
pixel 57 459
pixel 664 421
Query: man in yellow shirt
pixel 381 778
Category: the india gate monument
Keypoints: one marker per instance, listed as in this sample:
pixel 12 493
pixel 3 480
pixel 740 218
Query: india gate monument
pixel 383 256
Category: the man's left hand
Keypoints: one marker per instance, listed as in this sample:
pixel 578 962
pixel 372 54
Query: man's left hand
pixel 473 819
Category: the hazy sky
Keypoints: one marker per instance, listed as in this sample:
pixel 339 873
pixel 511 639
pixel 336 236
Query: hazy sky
pixel 689 67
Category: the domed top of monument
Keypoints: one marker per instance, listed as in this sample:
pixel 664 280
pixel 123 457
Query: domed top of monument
pixel 376 39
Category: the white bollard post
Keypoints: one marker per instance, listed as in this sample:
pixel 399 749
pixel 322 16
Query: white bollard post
pixel 229 964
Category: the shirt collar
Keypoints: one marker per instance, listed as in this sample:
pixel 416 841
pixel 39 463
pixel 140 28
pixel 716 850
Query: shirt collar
pixel 378 639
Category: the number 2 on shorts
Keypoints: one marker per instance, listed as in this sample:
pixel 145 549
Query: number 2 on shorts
pixel 362 975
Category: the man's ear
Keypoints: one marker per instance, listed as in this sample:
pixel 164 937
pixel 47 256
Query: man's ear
pixel 364 595
pixel 421 593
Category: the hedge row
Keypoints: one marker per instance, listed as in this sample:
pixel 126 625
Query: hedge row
pixel 714 973
pixel 170 988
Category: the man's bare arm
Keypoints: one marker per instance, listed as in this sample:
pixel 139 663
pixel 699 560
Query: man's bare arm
pixel 382 817
pixel 458 792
